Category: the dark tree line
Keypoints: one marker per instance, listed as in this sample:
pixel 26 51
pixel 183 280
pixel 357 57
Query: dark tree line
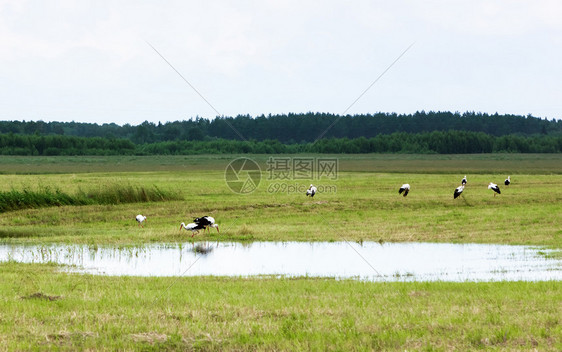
pixel 294 128
pixel 17 144
pixel 449 142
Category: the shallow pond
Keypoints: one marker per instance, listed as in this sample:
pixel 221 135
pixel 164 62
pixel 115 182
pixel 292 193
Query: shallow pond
pixel 367 261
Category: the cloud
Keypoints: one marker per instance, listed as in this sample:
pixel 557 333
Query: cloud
pixel 90 61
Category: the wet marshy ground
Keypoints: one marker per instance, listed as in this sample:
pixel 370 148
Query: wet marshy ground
pixel 367 261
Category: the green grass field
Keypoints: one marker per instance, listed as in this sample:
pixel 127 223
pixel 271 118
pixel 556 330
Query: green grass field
pixel 416 163
pixel 358 205
pixel 41 308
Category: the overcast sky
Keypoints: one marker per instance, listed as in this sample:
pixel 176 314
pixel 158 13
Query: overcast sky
pixel 90 61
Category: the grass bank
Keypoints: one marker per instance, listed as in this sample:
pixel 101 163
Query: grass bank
pixel 54 310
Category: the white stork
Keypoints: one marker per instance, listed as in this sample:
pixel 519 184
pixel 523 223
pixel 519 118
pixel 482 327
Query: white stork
pixel 194 228
pixel 311 191
pixel 494 188
pixel 207 222
pixel 463 181
pixel 458 191
pixel 405 188
pixel 140 219
pixel 507 181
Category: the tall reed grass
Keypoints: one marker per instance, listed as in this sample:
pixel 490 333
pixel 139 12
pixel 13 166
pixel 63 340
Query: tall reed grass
pixel 29 198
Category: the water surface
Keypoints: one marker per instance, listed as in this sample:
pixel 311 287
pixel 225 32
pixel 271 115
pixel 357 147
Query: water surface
pixel 367 261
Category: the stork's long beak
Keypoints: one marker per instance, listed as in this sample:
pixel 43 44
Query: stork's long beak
pixel 218 229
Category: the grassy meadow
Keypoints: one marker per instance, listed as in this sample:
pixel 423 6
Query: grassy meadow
pixel 415 163
pixel 361 204
pixel 42 308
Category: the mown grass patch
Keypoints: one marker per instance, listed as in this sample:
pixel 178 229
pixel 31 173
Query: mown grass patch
pixel 512 163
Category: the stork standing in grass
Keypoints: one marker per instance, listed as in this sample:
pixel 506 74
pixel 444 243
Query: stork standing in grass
pixel 140 219
pixel 404 188
pixel 194 228
pixel 311 191
pixel 507 181
pixel 207 222
pixel 463 181
pixel 494 188
pixel 458 191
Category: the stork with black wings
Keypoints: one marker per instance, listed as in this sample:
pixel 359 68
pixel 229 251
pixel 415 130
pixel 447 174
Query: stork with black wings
pixel 494 188
pixel 206 222
pixel 405 188
pixel 458 191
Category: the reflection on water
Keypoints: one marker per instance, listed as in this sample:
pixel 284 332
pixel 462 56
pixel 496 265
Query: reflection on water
pixel 368 260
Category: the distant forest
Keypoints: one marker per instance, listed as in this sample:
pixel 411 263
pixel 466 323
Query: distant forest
pixel 431 132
